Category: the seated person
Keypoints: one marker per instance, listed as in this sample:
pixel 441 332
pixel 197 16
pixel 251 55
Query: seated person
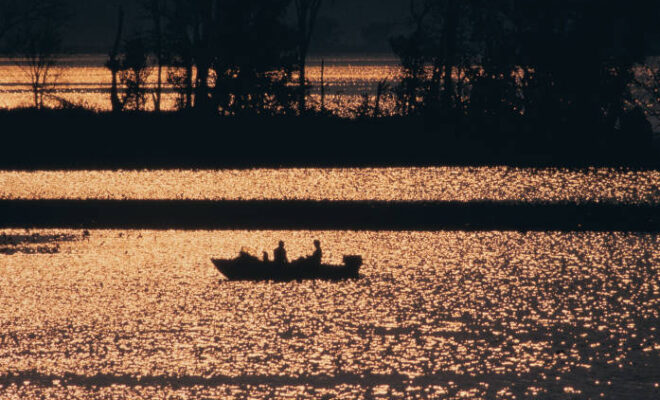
pixel 280 254
pixel 317 257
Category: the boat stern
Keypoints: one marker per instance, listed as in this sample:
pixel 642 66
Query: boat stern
pixel 353 264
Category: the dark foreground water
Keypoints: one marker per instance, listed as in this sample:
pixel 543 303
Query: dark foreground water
pixel 481 315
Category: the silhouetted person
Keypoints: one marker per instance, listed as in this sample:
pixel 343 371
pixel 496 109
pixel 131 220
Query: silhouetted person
pixel 317 257
pixel 280 254
pixel 266 258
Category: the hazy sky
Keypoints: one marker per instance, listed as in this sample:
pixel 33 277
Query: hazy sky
pixel 357 25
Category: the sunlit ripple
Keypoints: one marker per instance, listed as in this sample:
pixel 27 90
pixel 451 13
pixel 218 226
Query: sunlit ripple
pixel 412 184
pixel 449 314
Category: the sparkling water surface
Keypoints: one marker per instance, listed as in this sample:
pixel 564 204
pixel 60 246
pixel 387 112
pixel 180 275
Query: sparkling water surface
pixel 444 315
pixel 480 315
pixel 385 184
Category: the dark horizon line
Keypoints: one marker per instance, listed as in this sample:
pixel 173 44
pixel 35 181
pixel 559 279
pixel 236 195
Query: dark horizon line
pixel 151 140
pixel 421 216
pixel 318 381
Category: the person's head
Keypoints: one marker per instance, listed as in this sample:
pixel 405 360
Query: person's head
pixel 281 243
pixel 317 244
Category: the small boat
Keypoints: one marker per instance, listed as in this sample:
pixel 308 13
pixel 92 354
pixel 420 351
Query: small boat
pixel 249 268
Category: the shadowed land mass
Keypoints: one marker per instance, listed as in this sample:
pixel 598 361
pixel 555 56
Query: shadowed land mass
pixel 79 139
pixel 325 215
pixel 479 82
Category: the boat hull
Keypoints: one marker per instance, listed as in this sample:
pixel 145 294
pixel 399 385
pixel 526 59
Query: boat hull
pixel 254 270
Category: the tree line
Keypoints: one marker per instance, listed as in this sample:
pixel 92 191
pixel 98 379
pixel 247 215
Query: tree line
pixel 31 30
pixel 229 56
pixel 515 66
pixel 226 56
pixel 547 66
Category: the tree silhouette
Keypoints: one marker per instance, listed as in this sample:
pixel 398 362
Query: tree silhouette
pixel 156 10
pixel 503 63
pixel 412 52
pixel 114 63
pixel 645 90
pixel 179 33
pixel 203 24
pixel 37 43
pixel 230 56
pixel 253 74
pixel 307 12
pixel 134 73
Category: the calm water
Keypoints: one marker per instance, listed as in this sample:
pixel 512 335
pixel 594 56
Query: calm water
pixel 448 183
pixel 437 315
pixel 83 80
pixel 456 315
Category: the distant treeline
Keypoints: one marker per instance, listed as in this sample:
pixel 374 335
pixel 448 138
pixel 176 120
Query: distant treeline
pixel 574 70
pixel 226 56
pixel 574 73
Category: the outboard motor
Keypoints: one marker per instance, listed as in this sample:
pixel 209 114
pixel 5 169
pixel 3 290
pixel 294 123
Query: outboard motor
pixel 353 263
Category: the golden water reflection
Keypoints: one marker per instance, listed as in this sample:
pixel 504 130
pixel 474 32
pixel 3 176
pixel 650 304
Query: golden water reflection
pixel 83 80
pixel 142 314
pixel 397 184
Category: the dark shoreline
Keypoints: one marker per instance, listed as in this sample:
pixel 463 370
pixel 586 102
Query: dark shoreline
pixel 326 215
pixel 82 139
